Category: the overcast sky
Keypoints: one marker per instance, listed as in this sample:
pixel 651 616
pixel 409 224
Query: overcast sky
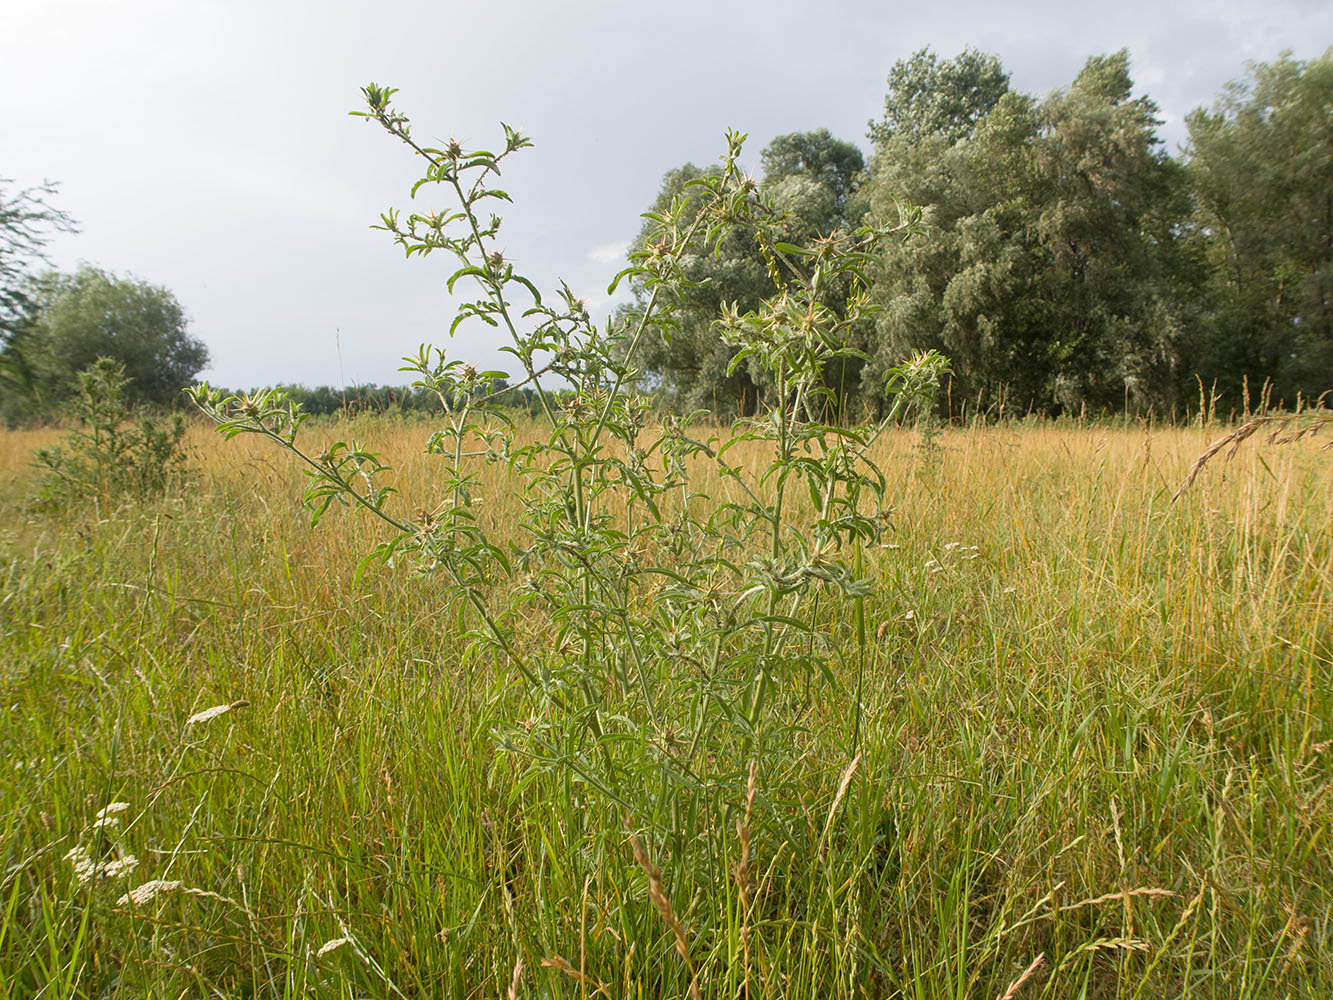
pixel 204 145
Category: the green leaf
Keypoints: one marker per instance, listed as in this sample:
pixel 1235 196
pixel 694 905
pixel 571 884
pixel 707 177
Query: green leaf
pixel 471 270
pixel 536 295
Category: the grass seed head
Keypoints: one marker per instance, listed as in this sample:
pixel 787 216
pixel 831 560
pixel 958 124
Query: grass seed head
pixel 144 894
pixel 331 946
pixel 209 714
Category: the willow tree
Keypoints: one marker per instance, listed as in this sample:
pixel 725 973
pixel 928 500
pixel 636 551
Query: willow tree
pixel 1051 271
pixel 1261 162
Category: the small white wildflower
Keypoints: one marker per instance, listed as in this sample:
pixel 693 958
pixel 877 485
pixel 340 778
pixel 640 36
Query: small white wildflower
pixel 910 615
pixel 950 546
pixel 83 865
pixel 333 945
pixel 107 817
pixel 1010 590
pixel 120 867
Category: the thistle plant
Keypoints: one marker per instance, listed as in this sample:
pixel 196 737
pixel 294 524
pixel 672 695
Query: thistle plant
pixel 672 621
pixel 113 452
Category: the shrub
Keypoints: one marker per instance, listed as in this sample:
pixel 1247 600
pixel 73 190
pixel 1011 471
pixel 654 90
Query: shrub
pixel 114 451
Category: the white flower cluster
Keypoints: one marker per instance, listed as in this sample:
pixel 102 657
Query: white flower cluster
pixel 107 817
pixel 87 868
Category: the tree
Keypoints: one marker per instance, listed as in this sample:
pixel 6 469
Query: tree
pixel 686 354
pixel 91 314
pixel 1053 271
pixel 1261 163
pixel 27 223
pixel 945 99
pixel 813 180
pixel 968 285
pixel 1120 282
pixel 831 166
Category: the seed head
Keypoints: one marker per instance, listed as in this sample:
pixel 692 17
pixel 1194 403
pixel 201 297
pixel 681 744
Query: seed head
pixel 333 945
pixel 144 894
pixel 215 711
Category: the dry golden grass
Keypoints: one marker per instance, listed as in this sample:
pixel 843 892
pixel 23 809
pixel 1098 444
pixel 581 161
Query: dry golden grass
pixel 1097 730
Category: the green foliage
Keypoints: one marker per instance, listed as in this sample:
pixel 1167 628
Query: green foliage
pixel 968 285
pixel 367 397
pixel 673 627
pixel 91 314
pixel 928 97
pixel 1261 162
pixel 113 453
pixel 812 184
pixel 688 357
pixel 1053 269
pixel 27 222
pixel 830 169
pixel 1111 220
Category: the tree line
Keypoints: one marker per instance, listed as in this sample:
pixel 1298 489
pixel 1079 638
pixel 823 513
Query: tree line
pixel 1051 249
pixel 1059 256
pixel 54 326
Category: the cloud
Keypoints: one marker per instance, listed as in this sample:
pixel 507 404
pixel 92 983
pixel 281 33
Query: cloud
pixel 609 253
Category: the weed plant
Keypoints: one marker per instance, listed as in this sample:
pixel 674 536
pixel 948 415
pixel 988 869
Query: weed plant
pixel 670 629
pixel 113 452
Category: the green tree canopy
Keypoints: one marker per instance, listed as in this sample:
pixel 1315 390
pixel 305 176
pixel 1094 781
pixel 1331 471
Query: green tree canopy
pixel 829 169
pixel 1114 207
pixel 930 97
pixel 688 356
pixel 27 222
pixel 92 314
pixel 814 180
pixel 1052 271
pixel 1261 162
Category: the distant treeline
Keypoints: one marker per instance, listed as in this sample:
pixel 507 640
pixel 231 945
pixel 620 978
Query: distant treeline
pixel 367 397
pixel 1063 260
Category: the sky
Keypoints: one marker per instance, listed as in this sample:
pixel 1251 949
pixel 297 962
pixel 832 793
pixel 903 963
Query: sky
pixel 205 145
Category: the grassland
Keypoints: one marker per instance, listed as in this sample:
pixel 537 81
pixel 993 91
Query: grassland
pixel 1095 754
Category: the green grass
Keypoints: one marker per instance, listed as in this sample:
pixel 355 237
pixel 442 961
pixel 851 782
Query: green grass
pixel 1104 736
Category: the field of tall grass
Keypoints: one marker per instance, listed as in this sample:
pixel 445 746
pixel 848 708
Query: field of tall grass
pixel 1089 754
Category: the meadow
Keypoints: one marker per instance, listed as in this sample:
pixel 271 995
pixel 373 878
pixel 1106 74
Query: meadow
pixel 1085 747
